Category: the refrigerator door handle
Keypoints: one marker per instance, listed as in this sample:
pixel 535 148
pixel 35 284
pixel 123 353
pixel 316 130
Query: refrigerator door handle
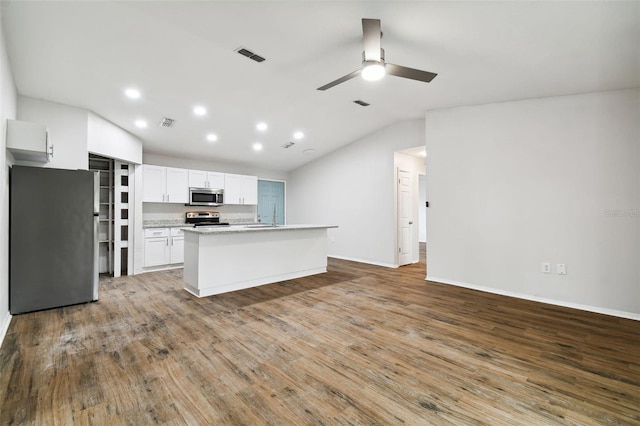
pixel 96 230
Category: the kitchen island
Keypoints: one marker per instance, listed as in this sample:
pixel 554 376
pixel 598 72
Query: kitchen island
pixel 221 259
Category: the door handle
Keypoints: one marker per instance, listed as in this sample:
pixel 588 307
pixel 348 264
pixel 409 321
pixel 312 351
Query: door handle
pixel 410 222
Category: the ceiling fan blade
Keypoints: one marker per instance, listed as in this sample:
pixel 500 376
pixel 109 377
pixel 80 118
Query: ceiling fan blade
pixel 340 80
pixel 406 72
pixel 371 38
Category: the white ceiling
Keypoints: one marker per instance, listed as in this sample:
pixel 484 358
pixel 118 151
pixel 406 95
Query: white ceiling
pixel 179 54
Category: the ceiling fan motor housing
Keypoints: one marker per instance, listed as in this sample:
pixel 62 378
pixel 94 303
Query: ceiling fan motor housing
pixel 364 60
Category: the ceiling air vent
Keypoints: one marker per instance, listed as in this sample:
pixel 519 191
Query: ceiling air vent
pixel 361 103
pixel 249 54
pixel 166 122
pixel 288 145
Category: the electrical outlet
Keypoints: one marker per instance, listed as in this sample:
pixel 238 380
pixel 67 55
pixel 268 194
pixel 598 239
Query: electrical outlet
pixel 561 269
pixel 546 267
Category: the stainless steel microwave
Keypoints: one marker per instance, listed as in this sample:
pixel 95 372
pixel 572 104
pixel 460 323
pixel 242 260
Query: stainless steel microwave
pixel 206 197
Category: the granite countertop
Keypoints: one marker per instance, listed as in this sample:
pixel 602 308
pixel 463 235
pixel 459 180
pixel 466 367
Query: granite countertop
pixel 180 224
pixel 253 228
pixel 164 224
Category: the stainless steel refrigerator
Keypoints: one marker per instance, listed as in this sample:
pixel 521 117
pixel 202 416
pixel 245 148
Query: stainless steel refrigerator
pixel 53 247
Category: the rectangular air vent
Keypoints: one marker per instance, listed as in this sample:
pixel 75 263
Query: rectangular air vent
pixel 288 145
pixel 249 54
pixel 166 122
pixel 361 103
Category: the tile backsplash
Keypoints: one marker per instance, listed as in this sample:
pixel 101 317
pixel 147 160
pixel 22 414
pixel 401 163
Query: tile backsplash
pixel 164 212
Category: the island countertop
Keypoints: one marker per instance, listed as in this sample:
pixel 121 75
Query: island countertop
pixel 251 228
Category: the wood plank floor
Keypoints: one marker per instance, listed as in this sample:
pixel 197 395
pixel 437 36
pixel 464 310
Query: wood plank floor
pixel 357 345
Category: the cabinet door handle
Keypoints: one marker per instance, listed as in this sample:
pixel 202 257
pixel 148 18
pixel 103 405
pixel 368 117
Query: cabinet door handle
pixel 163 198
pixel 167 241
pixel 51 151
pixel 167 198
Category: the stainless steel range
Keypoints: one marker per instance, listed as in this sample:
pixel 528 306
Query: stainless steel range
pixel 204 219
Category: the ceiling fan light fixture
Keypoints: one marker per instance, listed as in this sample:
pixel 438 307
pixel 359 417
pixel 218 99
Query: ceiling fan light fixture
pixel 373 70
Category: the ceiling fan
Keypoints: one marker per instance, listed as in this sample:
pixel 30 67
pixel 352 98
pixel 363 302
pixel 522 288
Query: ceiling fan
pixel 373 65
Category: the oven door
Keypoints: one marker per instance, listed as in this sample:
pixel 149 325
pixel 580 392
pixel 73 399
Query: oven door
pixel 205 197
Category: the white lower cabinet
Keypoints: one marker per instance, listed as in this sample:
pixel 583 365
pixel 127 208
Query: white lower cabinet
pixel 176 246
pixel 163 246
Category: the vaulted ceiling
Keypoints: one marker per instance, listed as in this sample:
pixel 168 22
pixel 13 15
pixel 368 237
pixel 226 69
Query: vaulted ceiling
pixel 180 54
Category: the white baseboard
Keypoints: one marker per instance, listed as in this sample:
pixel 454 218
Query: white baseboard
pixel 160 268
pixel 210 291
pixel 370 262
pixel 5 327
pixel 588 308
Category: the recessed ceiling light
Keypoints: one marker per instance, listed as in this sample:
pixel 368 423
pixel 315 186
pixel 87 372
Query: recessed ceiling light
pixel 309 151
pixel 199 110
pixel 141 123
pixel 212 137
pixel 257 146
pixel 298 135
pixel 132 93
pixel 262 126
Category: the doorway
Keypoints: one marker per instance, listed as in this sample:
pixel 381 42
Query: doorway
pixel 405 218
pixel 271 196
pixel 409 197
pixel 114 209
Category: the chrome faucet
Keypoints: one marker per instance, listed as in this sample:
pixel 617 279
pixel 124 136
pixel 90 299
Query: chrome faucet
pixel 273 222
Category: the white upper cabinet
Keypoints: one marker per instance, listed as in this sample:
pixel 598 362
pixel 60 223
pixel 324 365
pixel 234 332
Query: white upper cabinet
pixel 197 179
pixel 202 179
pixel 28 141
pixel 250 186
pixel 240 189
pixel 177 185
pixel 215 180
pixel 154 183
pixel 164 184
pixel 233 189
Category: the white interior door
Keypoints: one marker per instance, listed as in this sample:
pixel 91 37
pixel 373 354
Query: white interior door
pixel 405 218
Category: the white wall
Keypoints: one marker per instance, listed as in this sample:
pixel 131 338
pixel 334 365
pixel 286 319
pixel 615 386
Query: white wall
pixel 422 209
pixel 512 185
pixel 67 128
pixel 354 188
pixel 7 111
pixel 107 139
